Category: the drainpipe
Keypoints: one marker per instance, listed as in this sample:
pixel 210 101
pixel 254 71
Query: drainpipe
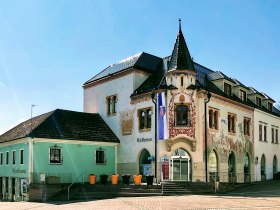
pixel 205 134
pixel 155 103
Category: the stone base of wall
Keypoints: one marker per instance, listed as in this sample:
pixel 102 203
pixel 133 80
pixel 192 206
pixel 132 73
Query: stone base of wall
pixel 42 192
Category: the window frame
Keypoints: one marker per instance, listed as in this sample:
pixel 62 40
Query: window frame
pixel 111 105
pixel 269 106
pixel 258 101
pixel 1 158
pixel 276 135
pixel 145 119
pixel 272 135
pixel 213 118
pixel 227 89
pixel 13 157
pixel 260 132
pixel 246 126
pixel 188 115
pixel 232 118
pixel 60 162
pixel 97 157
pixel 21 156
pixel 7 157
pixel 243 95
pixel 265 133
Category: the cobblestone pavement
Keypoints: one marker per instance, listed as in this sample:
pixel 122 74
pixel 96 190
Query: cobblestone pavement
pixel 260 196
pixel 158 203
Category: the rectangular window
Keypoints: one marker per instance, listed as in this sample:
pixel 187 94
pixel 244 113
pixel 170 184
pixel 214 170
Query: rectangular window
pixel 7 158
pixel 242 95
pixel 14 157
pixel 264 132
pixel 145 118
pixel 260 132
pixel 21 155
pixel 55 155
pixel 259 102
pixel 276 135
pixel 100 156
pixel 182 115
pixel 1 158
pixel 269 106
pixel 213 118
pixel 246 125
pixel 272 135
pixel 227 89
pixel 231 123
pixel 111 102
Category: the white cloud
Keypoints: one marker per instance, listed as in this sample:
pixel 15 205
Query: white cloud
pixel 2 84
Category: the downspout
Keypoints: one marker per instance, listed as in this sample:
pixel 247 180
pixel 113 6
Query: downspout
pixel 205 134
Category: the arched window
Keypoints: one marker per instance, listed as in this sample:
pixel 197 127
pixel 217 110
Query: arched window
pixel 182 115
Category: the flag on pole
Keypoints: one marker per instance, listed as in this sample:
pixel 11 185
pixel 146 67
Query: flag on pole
pixel 162 124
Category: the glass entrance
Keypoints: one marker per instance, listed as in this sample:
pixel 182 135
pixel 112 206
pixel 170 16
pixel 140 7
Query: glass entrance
pixel 180 166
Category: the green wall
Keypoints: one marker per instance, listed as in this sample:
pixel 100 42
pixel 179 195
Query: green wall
pixel 14 170
pixel 77 159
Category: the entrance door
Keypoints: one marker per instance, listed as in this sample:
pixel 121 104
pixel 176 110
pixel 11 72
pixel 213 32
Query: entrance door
pixel 180 166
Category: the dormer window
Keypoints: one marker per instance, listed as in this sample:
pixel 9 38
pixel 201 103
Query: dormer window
pixel 227 89
pixel 242 95
pixel 269 106
pixel 259 102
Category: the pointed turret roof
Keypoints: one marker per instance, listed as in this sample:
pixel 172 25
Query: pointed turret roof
pixel 180 58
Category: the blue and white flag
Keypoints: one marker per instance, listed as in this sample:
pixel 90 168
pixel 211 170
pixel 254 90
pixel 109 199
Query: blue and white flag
pixel 161 109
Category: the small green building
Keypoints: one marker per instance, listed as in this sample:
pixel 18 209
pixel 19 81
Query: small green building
pixel 47 153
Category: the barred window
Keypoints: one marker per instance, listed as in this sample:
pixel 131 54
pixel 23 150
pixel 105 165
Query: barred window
pixel 55 155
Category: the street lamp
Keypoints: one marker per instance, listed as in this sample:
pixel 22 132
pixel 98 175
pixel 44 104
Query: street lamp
pixel 205 133
pixel 33 105
pixel 153 96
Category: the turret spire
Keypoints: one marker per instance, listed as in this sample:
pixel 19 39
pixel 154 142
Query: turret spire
pixel 180 58
pixel 179 24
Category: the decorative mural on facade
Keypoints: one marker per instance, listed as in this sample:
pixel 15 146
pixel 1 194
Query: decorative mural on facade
pixel 224 144
pixel 126 121
pixel 175 131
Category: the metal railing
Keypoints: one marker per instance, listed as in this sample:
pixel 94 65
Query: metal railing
pixel 75 181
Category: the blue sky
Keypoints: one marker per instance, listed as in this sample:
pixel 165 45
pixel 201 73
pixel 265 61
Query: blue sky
pixel 49 48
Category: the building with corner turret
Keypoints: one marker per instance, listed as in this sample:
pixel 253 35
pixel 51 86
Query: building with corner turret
pixel 212 122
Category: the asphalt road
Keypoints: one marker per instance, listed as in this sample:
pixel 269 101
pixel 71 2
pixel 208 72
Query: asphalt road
pixel 259 196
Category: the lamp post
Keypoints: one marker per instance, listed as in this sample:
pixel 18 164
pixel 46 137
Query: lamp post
pixel 155 103
pixel 31 115
pixel 205 133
